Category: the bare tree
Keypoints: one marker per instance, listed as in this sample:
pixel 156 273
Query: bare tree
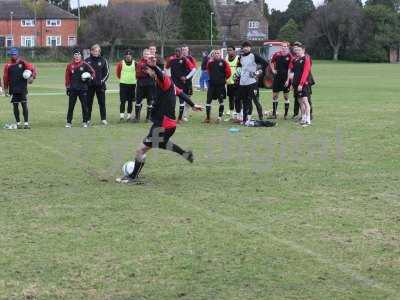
pixel 111 24
pixel 162 23
pixel 337 21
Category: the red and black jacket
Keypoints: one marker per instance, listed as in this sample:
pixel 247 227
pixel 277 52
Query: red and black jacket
pixel 180 67
pixel 301 68
pixel 73 75
pixel 12 76
pixel 219 71
pixel 282 62
pixel 143 79
pixel 163 112
pixel 101 68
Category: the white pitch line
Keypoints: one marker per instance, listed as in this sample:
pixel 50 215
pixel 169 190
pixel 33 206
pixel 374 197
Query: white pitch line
pixel 346 269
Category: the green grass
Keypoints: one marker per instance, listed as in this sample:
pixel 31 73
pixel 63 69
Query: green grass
pixel 281 213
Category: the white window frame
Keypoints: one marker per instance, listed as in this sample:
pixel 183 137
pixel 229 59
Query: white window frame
pixel 70 37
pixel 254 24
pixel 9 38
pixel 53 23
pixel 28 23
pixel 50 38
pixel 24 38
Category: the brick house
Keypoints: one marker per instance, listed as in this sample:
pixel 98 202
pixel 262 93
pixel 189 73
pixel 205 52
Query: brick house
pixel 51 26
pixel 241 20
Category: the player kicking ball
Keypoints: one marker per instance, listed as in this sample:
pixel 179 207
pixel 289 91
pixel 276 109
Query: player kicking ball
pixel 164 123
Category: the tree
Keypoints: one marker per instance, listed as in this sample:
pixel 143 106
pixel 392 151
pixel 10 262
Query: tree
pixel 392 4
pixel 276 20
pixel 87 10
pixel 300 10
pixel 110 24
pixel 37 7
pixel 195 18
pixel 64 4
pixel 338 21
pixel 382 26
pixel 161 23
pixel 289 32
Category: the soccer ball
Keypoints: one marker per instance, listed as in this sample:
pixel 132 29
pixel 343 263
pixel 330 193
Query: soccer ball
pixel 27 74
pixel 128 167
pixel 86 76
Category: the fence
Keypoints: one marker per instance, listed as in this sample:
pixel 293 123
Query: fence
pixel 63 54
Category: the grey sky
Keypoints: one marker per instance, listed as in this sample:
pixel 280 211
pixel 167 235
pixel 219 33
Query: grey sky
pixel 282 4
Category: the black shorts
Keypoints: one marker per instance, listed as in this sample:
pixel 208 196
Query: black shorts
pixel 305 92
pixel 216 92
pixel 19 98
pixel 158 137
pixel 127 92
pixel 232 90
pixel 147 91
pixel 278 84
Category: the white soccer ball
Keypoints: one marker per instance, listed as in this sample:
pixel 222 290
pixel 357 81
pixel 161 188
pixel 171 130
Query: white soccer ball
pixel 27 74
pixel 128 167
pixel 86 76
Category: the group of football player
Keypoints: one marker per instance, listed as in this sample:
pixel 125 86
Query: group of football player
pixel 236 77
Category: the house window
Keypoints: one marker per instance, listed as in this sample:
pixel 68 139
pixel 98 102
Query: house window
pixel 254 24
pixel 53 23
pixel 28 41
pixel 71 41
pixel 53 41
pixel 28 23
pixel 9 41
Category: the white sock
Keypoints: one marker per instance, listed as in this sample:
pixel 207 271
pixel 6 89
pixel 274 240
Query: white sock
pixel 308 119
pixel 26 123
pixel 121 115
pixel 128 116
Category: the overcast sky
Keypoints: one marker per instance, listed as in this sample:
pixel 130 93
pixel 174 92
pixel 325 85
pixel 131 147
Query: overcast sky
pixel 276 4
pixel 282 4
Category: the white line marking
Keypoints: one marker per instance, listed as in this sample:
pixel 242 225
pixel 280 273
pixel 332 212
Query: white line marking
pixel 361 279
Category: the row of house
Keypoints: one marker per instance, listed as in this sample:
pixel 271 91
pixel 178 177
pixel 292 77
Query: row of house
pixel 22 26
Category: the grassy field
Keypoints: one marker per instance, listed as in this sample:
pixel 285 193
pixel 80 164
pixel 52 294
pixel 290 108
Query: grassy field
pixel 266 213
